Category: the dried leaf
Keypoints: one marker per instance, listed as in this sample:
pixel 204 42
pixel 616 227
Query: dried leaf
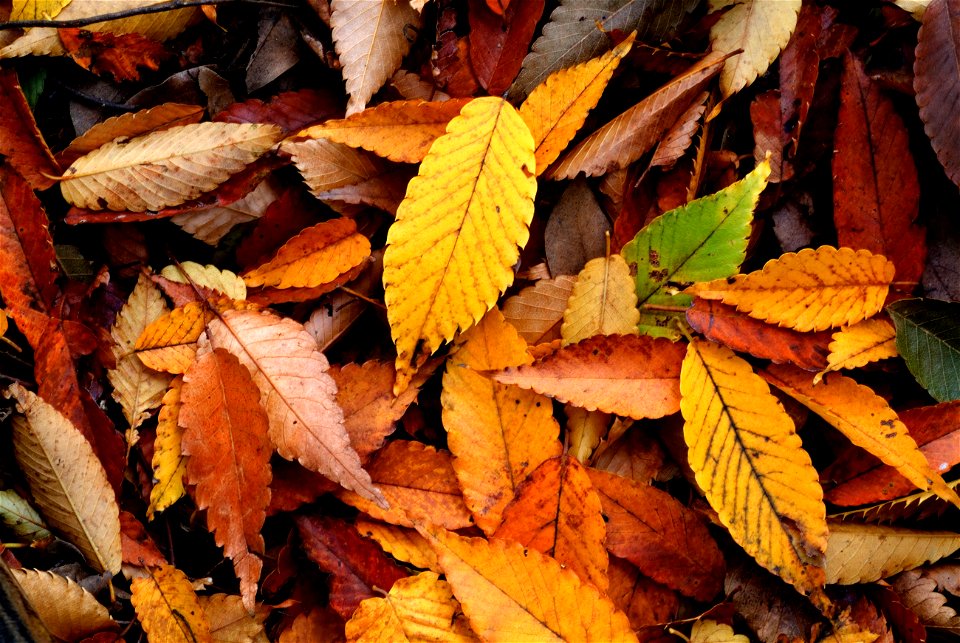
pixel 644 601
pixel 858 345
pixel 67 610
pixel 537 311
pixel 230 622
pixel 404 544
pixel 119 56
pixel 808 290
pixel 20 140
pixel 707 631
pixel 920 596
pixel 603 302
pixel 499 40
pixel 865 553
pixel 228 459
pixel 371 38
pixel 624 374
pixel 210 277
pixel 168 608
pixel 576 230
pixel 326 165
pixel 452 246
pixel 164 168
pixel 333 318
pixel 211 224
pixel 169 343
pixel 36 9
pixel 66 479
pixel 741 439
pixel 510 593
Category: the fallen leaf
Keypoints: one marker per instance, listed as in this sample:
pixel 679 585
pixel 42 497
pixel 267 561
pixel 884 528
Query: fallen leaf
pixel 222 282
pixel 169 465
pixel 36 9
pixel 576 230
pixel 230 622
pixel 645 602
pixel 335 315
pixel 920 595
pixel 20 518
pixel 860 344
pixel 866 553
pixel 119 56
pixel 499 40
pixel 168 608
pixel 66 609
pixel 927 339
pixel 22 143
pixel 603 302
pixel 169 342
pixel 537 311
pixel 707 631
pixel 404 544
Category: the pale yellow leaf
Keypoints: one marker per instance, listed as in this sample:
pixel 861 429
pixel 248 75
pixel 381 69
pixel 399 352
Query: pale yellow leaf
pixel 164 168
pixel 761 28
pixel 208 276
pixel 858 345
pixel 36 9
pixel 707 631
pixel 866 553
pixel 537 311
pixel 450 252
pixel 67 610
pixel 168 463
pixel 585 430
pixel 136 388
pixel 211 224
pixel 168 608
pixel 916 7
pixel 67 481
pixel 603 301
pixel 231 623
pixel 371 37
pixel 333 318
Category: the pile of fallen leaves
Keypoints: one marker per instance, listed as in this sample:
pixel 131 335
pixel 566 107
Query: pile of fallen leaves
pixel 454 320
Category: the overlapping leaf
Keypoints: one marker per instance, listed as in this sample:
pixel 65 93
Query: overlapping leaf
pixel 168 609
pixel 858 345
pixel 67 610
pixel 929 341
pixel 169 342
pixel 18 516
pixel 603 301
pixel 209 277
pixel 169 463
pixel 865 553
pixel 537 311
pixel 21 142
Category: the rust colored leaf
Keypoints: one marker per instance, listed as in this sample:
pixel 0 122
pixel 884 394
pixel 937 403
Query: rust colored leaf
pixel 136 545
pixel 723 324
pixel 20 139
pixel 225 439
pixel 638 377
pixel 357 563
pixel 419 483
pixel 644 601
pixel 557 512
pixel 500 33
pixel 291 111
pixel 767 117
pixel 876 194
pixel 119 55
pixel 665 540
pixel 799 70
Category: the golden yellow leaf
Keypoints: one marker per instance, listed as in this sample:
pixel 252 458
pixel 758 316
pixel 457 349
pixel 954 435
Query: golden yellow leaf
pixel 169 343
pixel 67 481
pixel 371 38
pixel 849 633
pixel 858 345
pixel 164 168
pixel 556 109
pixel 603 301
pixel 808 290
pixel 400 542
pixel 866 419
pixel 707 631
pixel 230 622
pixel 866 553
pixel 751 465
pixel 452 248
pixel 209 276
pixel 44 41
pixel 513 593
pixel 67 610
pixel 401 131
pixel 537 311
pixel 36 9
pixel 761 29
pixel 420 608
pixel 168 608
pixel 315 257
pixel 169 464
pixel 497 433
pixel 136 388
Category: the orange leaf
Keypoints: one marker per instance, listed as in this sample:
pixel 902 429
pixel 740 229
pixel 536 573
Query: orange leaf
pixel 644 601
pixel 120 55
pixel 638 377
pixel 225 439
pixel 315 257
pixel 168 608
pixel 401 131
pixel 298 393
pixel 419 483
pixel 403 544
pixel 665 540
pixel 169 342
pixel 556 511
pixel 512 593
pixel 498 433
pixel 20 139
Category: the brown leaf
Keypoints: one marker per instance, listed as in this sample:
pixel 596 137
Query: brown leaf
pixel 20 139
pixel 644 601
pixel 499 40
pixel 537 312
pixel 291 111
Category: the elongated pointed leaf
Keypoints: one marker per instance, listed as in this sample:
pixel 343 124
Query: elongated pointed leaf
pixel 937 80
pixel 865 553
pixel 168 609
pixel 928 338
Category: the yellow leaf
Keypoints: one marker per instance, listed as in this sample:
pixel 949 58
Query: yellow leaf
pixel 452 248
pixel 371 38
pixel 168 608
pixel 169 464
pixel 164 168
pixel 169 343
pixel 497 433
pixel 512 593
pixel 231 623
pixel 866 419
pixel 808 290
pixel 401 131
pixel 707 631
pixel 556 109
pixel 36 9
pixel 751 465
pixel 223 281
pixel 866 553
pixel 418 608
pixel 858 345
pixel 67 610
pixel 761 29
pixel 537 311
pixel 67 481
pixel 400 542
pixel 137 388
pixel 603 301
pixel 315 257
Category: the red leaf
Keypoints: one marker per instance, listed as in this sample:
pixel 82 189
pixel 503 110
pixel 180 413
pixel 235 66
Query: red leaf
pixel 136 544
pixel 292 111
pixel 120 56
pixel 644 601
pixel 768 137
pixel 499 38
pixel 20 139
pixel 799 69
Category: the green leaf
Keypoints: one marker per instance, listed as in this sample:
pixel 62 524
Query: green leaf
pixel 702 240
pixel 22 519
pixel 928 339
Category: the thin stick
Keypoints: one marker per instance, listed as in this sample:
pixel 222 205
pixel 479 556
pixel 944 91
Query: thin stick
pixel 139 11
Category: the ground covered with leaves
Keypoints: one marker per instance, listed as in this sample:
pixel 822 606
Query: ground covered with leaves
pixel 457 320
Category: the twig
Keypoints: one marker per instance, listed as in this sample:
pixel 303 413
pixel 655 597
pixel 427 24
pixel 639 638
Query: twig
pixel 139 11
